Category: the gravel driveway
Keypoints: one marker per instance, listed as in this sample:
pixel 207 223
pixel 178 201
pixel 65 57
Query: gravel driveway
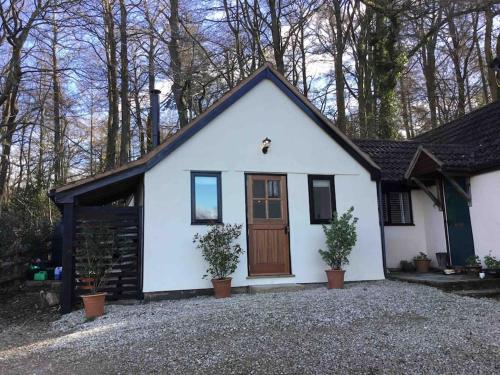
pixel 373 327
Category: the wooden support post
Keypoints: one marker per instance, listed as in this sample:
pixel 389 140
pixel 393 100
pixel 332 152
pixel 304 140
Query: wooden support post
pixel 68 277
pixel 140 252
pixel 429 193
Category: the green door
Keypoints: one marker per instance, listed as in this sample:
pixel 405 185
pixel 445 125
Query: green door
pixel 460 238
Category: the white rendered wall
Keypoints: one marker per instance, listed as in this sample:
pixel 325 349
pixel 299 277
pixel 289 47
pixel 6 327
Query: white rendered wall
pixel 426 235
pixel 485 213
pixel 404 242
pixel 435 235
pixel 230 144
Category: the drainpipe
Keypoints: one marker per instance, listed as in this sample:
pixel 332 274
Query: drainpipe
pixel 155 117
pixel 381 223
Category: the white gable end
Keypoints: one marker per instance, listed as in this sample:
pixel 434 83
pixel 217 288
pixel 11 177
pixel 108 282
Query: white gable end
pixel 233 138
pixel 230 144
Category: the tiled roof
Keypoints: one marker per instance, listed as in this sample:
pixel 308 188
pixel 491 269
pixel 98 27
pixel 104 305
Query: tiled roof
pixel 393 157
pixel 453 155
pixel 470 143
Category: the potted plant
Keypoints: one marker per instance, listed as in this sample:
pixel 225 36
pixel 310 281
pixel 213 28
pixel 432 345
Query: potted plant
pixel 340 239
pixel 492 265
pixel 422 262
pixel 222 254
pixel 407 266
pixel 473 264
pixel 98 247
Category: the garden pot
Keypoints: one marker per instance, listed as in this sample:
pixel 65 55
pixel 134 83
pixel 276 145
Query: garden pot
pixel 335 279
pixel 94 304
pixel 493 272
pixel 442 260
pixel 422 265
pixel 474 270
pixel 407 266
pixel 222 287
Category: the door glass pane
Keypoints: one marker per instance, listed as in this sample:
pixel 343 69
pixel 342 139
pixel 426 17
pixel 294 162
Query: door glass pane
pixel 322 199
pixel 274 207
pixel 206 197
pixel 258 188
pixel 259 208
pixel 273 189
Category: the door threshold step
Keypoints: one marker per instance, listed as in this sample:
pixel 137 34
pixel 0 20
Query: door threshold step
pixel 479 292
pixel 275 288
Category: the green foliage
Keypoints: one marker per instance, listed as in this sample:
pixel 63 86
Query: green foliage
pixel 491 262
pixel 340 239
pixel 218 249
pixel 421 256
pixel 98 247
pixel 27 224
pixel 473 261
pixel 389 62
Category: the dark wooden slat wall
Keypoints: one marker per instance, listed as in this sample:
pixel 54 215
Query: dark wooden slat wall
pixel 123 280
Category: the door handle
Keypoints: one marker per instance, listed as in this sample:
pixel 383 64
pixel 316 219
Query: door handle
pixel 286 229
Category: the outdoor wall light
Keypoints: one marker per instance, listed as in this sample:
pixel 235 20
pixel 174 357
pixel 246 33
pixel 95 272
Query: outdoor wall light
pixel 266 143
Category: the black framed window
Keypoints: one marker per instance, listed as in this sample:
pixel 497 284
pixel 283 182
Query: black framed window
pixel 397 208
pixel 321 198
pixel 206 198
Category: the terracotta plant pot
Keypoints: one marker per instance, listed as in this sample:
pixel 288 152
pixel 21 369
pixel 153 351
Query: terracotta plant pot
pixel 222 287
pixel 422 265
pixel 94 304
pixel 335 279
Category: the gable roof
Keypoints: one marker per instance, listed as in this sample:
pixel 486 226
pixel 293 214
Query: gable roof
pixel 469 144
pixel 66 193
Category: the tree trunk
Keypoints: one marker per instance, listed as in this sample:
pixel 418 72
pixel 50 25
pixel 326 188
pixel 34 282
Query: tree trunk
pixel 235 29
pixel 387 68
pixel 405 112
pixel 428 53
pixel 339 73
pixel 362 70
pixel 480 63
pixel 113 97
pixel 9 124
pixel 125 134
pixel 176 64
pixel 488 52
pixel 305 86
pixel 151 87
pixel 138 110
pixel 455 58
pixel 56 102
pixel 276 36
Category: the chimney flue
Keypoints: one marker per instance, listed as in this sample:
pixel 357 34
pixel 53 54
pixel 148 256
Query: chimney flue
pixel 155 117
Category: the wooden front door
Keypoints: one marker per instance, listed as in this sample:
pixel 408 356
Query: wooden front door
pixel 268 240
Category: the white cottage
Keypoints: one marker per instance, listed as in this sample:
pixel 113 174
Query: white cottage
pixel 440 190
pixel 215 169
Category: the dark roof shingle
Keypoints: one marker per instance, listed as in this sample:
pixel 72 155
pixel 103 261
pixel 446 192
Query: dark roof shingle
pixel 470 143
pixel 393 157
